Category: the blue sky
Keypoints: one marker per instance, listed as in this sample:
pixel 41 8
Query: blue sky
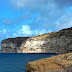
pixel 23 18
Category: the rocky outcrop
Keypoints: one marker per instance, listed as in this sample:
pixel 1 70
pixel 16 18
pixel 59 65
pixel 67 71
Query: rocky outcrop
pixel 12 45
pixel 60 63
pixel 55 42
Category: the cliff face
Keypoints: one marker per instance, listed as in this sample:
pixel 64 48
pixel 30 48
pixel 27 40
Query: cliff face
pixel 60 63
pixel 55 42
pixel 12 45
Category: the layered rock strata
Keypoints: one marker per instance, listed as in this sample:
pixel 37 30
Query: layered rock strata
pixel 12 45
pixel 60 63
pixel 55 42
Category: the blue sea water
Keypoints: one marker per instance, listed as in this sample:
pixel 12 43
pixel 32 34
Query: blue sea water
pixel 16 62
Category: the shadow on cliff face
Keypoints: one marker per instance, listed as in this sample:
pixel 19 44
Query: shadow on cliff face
pixel 58 42
pixel 11 45
pixel 20 40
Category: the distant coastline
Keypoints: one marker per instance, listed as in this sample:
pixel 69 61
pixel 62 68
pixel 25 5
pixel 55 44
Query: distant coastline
pixel 55 42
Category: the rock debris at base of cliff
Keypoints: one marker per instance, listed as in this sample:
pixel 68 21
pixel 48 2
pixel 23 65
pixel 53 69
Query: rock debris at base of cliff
pixel 56 42
pixel 60 63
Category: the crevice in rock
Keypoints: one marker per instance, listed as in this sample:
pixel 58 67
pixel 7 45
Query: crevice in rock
pixel 64 67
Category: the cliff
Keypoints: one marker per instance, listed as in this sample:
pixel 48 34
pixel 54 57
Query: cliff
pixel 60 63
pixel 12 45
pixel 55 42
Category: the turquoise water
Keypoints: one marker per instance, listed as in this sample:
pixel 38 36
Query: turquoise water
pixel 17 62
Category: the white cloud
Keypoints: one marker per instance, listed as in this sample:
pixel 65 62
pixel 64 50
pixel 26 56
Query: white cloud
pixel 65 21
pixel 4 31
pixel 26 31
pixel 39 32
pixel 27 3
pixel 4 34
pixel 49 11
pixel 15 35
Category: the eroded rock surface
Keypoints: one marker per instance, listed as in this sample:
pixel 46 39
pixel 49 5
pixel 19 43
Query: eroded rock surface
pixel 12 45
pixel 60 63
pixel 55 42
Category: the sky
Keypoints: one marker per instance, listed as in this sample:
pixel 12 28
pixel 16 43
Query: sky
pixel 27 18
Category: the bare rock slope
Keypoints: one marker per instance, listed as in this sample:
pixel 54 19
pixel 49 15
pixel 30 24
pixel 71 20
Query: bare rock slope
pixel 60 63
pixel 55 42
pixel 12 45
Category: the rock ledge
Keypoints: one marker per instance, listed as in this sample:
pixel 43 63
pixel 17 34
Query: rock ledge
pixel 59 63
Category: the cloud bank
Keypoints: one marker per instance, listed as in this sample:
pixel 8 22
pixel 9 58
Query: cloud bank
pixel 50 15
pixel 26 31
pixel 48 11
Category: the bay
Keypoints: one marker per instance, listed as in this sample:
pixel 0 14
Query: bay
pixel 14 62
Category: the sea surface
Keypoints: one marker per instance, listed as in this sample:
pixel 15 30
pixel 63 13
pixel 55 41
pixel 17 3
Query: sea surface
pixel 16 62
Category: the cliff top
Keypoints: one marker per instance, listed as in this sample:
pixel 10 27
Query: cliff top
pixel 15 40
pixel 43 36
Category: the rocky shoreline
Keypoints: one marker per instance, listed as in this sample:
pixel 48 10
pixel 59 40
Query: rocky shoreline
pixel 59 63
pixel 56 42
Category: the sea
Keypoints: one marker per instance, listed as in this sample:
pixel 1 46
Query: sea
pixel 14 62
